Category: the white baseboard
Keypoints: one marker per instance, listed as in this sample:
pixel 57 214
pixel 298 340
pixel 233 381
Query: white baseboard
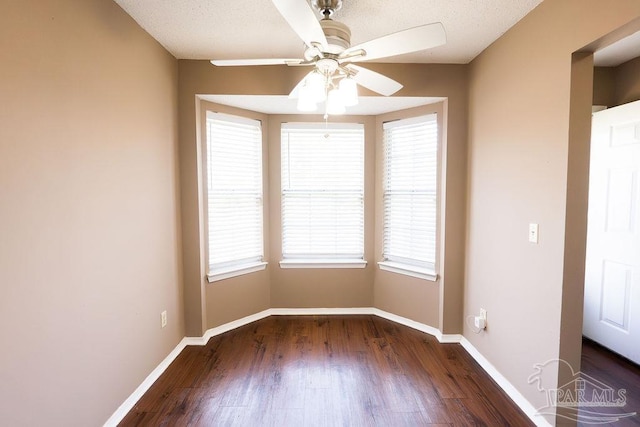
pixel 450 338
pixel 508 388
pixel 128 404
pixel 319 311
pixel 505 385
pixel 233 325
pixel 422 327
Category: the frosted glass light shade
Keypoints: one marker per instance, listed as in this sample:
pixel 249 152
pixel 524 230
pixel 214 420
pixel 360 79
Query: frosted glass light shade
pixel 305 99
pixel 349 91
pixel 317 87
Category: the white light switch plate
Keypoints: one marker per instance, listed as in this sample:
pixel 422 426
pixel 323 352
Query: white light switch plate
pixel 533 233
pixel 163 318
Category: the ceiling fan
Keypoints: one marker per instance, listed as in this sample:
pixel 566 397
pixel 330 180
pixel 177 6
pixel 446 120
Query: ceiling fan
pixel 329 51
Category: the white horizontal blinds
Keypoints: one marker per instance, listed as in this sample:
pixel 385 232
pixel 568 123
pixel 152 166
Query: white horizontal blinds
pixel 410 189
pixel 234 184
pixel 322 191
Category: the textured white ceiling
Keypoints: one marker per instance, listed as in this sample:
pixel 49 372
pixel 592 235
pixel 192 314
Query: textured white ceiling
pixel 240 29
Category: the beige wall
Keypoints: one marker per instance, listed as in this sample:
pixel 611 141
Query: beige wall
pixel 604 86
pixel 580 104
pixel 209 305
pixel 327 288
pixel 89 206
pixel 522 164
pixel 628 82
pixel 617 85
pixel 231 299
pixel 414 299
pixel 403 295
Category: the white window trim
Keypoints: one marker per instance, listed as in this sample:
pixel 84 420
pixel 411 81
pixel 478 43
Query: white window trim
pixel 323 263
pixel 409 270
pixel 235 271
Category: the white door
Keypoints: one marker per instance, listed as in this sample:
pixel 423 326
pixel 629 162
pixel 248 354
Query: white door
pixel 612 275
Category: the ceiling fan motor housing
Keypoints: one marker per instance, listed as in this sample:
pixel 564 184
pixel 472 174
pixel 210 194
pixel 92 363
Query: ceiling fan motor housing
pixel 338 35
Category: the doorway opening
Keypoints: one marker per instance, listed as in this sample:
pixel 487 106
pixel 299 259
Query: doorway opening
pixel 611 312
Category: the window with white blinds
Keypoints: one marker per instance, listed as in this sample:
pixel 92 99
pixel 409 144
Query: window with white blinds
pixel 410 182
pixel 322 194
pixel 234 195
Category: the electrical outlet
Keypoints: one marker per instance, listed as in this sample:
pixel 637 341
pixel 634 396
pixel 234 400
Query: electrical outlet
pixel 533 233
pixel 480 322
pixel 163 318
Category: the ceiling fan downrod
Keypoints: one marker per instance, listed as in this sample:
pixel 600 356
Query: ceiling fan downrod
pixel 327 7
pixel 337 34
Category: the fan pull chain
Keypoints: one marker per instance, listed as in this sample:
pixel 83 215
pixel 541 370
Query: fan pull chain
pixel 326 126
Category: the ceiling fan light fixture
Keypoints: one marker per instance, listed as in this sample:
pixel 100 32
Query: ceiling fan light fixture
pixel 329 51
pixel 306 101
pixel 348 91
pixel 316 87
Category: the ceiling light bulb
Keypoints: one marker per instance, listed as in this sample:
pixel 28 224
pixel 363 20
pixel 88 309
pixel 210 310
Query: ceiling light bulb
pixel 317 86
pixel 335 105
pixel 349 91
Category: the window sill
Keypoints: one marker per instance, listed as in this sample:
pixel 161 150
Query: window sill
pixel 409 270
pixel 235 271
pixel 323 263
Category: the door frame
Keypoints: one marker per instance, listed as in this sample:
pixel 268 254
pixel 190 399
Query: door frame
pixel 577 201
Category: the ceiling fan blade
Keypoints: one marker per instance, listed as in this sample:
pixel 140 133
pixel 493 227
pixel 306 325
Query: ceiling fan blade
pixel 296 90
pixel 406 41
pixel 302 20
pixel 264 61
pixel 374 81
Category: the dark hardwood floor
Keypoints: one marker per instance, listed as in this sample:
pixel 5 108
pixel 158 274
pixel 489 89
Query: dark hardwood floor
pixel 617 373
pixel 325 371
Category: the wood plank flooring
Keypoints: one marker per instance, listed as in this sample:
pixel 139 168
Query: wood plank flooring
pixel 617 373
pixel 325 371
